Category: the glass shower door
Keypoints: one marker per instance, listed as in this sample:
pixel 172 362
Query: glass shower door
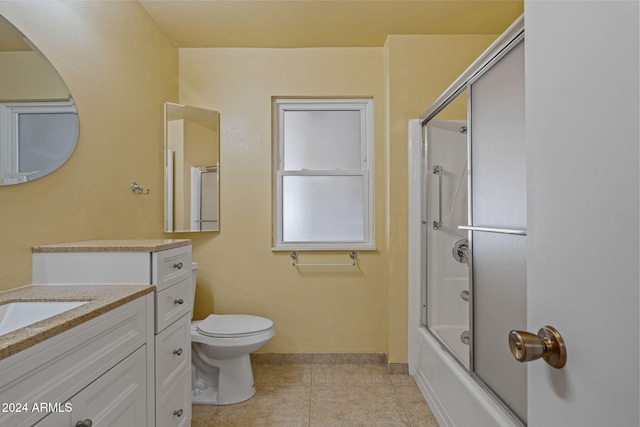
pixel 499 223
pixel 447 247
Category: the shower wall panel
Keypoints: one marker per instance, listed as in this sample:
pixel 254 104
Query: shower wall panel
pixel 447 311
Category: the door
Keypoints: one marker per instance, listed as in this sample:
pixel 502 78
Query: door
pixel 582 115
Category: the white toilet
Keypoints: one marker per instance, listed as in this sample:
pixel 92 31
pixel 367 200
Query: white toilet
pixel 220 345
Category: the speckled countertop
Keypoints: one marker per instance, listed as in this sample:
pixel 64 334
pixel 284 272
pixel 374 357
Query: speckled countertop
pixel 148 245
pixel 102 298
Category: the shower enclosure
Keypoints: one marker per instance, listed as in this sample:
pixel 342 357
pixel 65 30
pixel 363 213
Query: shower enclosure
pixel 448 258
pixel 468 174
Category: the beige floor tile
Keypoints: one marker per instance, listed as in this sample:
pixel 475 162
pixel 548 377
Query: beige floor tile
pixel 416 408
pixel 356 405
pixel 403 380
pixel 201 415
pixel 323 395
pixel 349 374
pixel 409 394
pixel 282 374
pixel 271 406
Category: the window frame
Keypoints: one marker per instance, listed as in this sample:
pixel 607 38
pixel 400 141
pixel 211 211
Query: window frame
pixel 365 107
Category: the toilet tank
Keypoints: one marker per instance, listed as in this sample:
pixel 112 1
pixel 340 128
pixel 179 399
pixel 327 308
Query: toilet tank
pixel 194 273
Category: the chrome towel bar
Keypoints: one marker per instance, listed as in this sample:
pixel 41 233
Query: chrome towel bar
pixel 353 255
pixel 493 230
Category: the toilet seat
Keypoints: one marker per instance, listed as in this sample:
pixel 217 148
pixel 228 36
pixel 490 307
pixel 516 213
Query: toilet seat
pixel 233 325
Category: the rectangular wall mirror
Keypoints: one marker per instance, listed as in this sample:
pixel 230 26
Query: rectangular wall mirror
pixel 192 166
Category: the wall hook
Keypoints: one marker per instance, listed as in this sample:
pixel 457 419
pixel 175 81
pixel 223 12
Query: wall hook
pixel 137 188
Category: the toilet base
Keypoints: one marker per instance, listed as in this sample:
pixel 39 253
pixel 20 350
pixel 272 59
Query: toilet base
pixel 204 397
pixel 233 378
pixel 210 397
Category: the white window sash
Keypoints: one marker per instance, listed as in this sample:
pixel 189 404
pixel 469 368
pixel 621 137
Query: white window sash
pixel 365 106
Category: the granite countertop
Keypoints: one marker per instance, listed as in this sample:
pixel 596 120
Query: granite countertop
pixel 102 298
pixel 145 245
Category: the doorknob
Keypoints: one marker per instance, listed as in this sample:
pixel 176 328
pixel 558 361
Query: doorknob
pixel 548 344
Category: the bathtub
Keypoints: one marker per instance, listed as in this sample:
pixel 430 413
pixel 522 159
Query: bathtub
pixel 450 334
pixel 454 397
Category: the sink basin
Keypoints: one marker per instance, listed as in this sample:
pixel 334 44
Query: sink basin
pixel 16 315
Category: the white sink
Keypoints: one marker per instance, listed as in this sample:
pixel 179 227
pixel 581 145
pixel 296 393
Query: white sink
pixel 16 315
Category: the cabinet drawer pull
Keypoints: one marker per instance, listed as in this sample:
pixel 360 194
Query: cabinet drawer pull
pixel 178 301
pixel 177 352
pixel 178 413
pixel 178 265
pixel 84 423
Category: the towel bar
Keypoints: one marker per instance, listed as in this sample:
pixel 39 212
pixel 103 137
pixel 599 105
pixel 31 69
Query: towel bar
pixel 353 255
pixel 493 230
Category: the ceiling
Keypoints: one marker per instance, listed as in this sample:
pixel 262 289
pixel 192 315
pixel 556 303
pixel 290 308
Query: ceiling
pixel 323 23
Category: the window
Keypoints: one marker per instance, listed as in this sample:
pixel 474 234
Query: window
pixel 323 172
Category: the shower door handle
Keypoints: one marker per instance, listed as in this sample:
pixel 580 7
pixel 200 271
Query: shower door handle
pixel 548 344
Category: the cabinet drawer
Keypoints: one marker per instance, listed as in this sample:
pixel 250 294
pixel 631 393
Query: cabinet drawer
pixel 173 303
pixel 173 354
pixel 174 410
pixel 171 266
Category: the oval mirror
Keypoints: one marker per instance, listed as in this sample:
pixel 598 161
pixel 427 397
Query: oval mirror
pixel 191 168
pixel 38 119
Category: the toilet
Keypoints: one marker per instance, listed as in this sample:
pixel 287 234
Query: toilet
pixel 220 345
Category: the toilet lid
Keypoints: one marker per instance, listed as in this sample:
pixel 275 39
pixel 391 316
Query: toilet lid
pixel 233 325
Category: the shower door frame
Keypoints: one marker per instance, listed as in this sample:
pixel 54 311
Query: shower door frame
pixel 510 39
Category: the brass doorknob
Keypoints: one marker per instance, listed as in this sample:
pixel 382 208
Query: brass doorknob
pixel 548 344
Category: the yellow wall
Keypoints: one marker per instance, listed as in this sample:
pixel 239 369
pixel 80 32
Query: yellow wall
pixel 419 69
pixel 314 310
pixel 120 68
pixel 331 310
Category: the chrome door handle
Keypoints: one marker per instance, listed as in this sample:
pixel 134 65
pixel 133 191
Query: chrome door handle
pixel 84 423
pixel 548 344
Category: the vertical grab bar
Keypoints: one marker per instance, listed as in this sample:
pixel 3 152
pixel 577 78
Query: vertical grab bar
pixel 437 170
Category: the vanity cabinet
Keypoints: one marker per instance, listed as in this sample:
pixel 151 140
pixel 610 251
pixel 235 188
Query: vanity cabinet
pixel 96 371
pixel 165 264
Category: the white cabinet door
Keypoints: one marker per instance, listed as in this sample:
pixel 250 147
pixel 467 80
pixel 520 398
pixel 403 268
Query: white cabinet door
pixel 117 398
pixel 56 419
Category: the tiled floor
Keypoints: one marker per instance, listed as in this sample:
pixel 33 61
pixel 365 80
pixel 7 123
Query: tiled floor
pixel 307 394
